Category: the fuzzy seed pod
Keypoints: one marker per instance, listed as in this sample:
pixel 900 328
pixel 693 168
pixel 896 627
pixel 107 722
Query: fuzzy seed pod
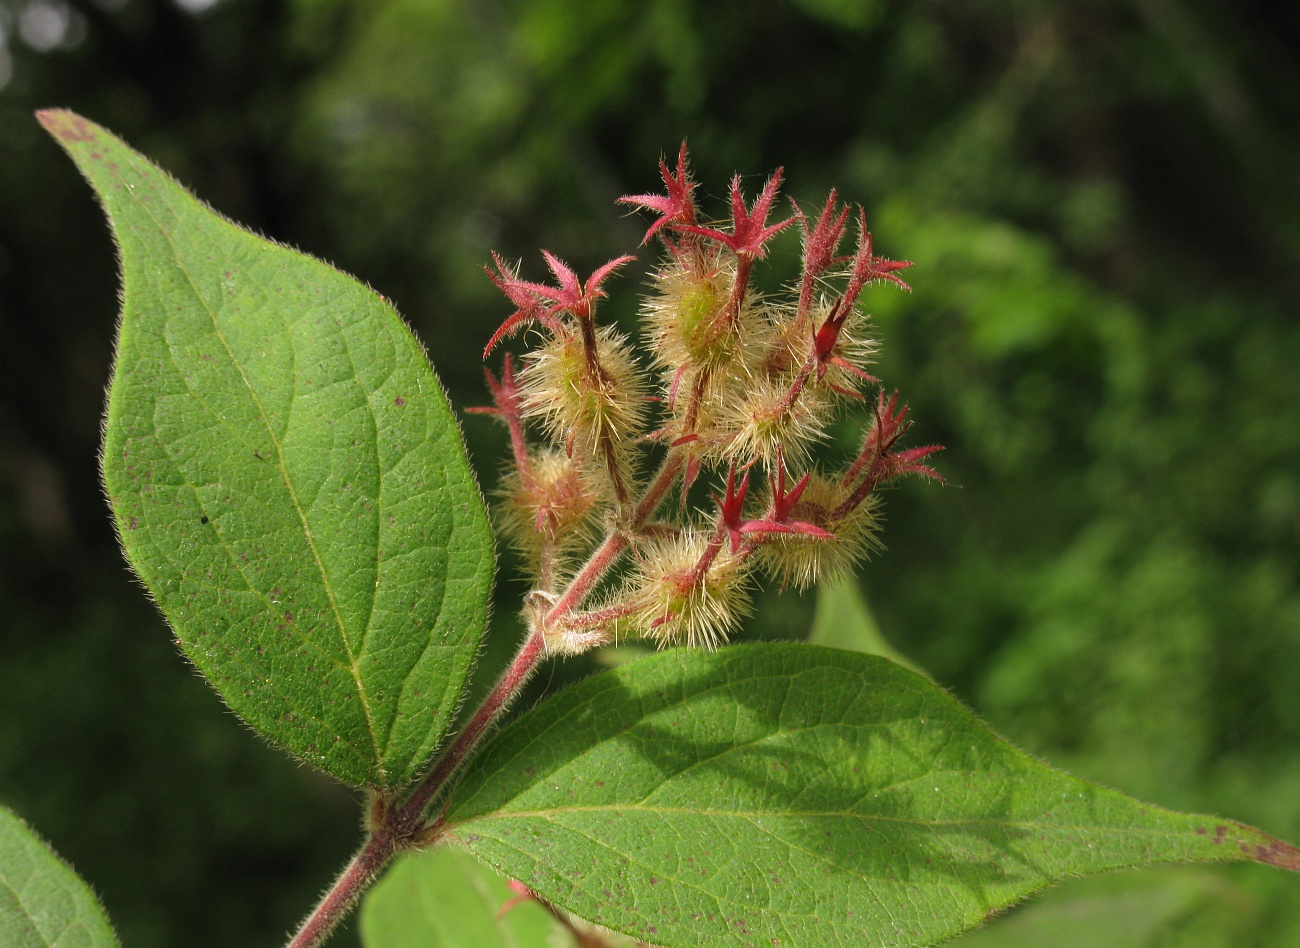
pixel 800 560
pixel 557 505
pixel 764 422
pixel 594 411
pixel 787 345
pixel 685 318
pixel 677 604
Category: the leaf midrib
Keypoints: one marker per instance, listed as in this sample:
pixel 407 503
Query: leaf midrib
pixel 353 668
pixel 682 701
pixel 754 815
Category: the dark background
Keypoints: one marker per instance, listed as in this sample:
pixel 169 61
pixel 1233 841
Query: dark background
pixel 1103 201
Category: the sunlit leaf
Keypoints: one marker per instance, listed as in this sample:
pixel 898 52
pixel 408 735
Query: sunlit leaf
pixel 287 479
pixel 796 795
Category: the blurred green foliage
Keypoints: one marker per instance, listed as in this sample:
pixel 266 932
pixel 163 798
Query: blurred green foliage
pixel 1101 200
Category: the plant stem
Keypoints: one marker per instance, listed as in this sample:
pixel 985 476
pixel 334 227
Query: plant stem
pixel 526 660
pixel 607 554
pixel 533 650
pixel 397 828
pixel 356 877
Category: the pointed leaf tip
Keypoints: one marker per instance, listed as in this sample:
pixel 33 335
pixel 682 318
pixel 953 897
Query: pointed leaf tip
pixel 287 479
pixel 43 902
pixel 67 126
pixel 1274 852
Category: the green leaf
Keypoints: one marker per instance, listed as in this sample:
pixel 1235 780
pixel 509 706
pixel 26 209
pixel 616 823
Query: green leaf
pixel 445 898
pixel 1130 910
pixel 795 795
pixel 843 620
pixel 287 479
pixel 43 903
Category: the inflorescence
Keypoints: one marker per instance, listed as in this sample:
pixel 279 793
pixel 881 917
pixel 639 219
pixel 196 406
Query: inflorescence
pixel 745 387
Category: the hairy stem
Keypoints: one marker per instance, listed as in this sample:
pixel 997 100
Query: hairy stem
pixel 355 878
pixel 526 660
pixel 607 554
pixel 395 828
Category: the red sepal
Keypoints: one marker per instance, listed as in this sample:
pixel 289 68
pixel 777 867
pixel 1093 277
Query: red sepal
pixel 677 207
pixel 819 247
pixel 526 296
pixel 732 505
pixel 878 457
pixel 572 296
pixel 749 229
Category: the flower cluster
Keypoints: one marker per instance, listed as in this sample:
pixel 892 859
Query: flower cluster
pixel 744 385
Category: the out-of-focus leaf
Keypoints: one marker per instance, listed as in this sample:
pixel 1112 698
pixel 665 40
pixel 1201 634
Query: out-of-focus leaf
pixel 844 620
pixel 1193 907
pixel 445 898
pixel 43 903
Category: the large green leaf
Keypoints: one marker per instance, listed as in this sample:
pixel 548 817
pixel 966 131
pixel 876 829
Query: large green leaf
pixel 795 795
pixel 43 904
pixel 287 479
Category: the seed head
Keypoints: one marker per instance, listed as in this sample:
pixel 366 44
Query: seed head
pixel 685 317
pixel 556 504
pixel 765 422
pixel 676 602
pixel 746 382
pixel 799 559
pixel 586 407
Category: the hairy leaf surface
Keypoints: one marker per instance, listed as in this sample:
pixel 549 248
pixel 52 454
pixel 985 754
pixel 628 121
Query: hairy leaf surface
pixel 796 795
pixel 287 479
pixel 43 903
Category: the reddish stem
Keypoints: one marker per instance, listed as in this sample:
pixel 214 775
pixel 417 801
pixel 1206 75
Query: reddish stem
pixel 654 494
pixel 860 493
pixel 530 655
pixel 607 554
pixel 797 386
pixel 599 617
pixel 697 399
pixel 696 574
pixel 596 566
pixel 347 889
pixel 399 828
pixel 518 446
pixel 744 264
